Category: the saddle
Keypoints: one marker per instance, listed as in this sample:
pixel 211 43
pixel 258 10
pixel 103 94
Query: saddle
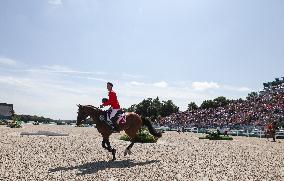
pixel 118 120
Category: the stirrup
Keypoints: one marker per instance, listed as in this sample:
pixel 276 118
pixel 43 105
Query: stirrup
pixel 114 129
pixel 111 126
pixel 109 123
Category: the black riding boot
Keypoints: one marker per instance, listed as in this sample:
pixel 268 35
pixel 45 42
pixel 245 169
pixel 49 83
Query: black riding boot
pixel 110 124
pixel 114 125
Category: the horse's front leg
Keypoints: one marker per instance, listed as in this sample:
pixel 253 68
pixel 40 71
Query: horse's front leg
pixel 109 148
pixel 104 144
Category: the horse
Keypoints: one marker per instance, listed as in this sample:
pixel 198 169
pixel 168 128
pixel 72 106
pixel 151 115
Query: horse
pixel 270 132
pixel 131 127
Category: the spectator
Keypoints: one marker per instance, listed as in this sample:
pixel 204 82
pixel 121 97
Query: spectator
pixel 256 112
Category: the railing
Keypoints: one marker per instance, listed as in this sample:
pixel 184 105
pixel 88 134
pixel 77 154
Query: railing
pixel 259 134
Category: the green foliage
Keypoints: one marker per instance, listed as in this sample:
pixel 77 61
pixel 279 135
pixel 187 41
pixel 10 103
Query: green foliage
pixel 216 136
pixel 132 108
pixel 252 96
pixel 168 108
pixel 60 123
pixel 221 101
pixel 207 104
pixel 144 107
pixel 143 137
pixel 16 123
pixel 154 108
pixel 81 125
pixel 217 102
pixel 2 122
pixel 27 118
pixel 192 106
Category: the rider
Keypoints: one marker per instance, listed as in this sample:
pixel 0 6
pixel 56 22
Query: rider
pixel 114 105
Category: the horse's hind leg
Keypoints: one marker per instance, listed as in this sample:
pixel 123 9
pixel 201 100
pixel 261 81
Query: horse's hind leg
pixel 128 149
pixel 273 137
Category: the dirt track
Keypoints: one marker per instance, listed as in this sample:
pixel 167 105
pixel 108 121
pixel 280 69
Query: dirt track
pixel 80 156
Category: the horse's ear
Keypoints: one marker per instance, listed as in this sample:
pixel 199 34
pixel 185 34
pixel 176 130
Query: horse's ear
pixel 79 105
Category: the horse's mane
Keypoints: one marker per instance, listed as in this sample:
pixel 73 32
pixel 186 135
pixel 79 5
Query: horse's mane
pixel 91 106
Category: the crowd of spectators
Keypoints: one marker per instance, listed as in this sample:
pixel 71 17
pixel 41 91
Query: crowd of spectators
pixel 258 111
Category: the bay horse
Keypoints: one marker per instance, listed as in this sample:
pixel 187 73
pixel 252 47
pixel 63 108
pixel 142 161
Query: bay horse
pixel 131 127
pixel 271 131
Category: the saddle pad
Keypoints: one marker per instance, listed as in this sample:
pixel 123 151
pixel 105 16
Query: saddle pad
pixel 121 119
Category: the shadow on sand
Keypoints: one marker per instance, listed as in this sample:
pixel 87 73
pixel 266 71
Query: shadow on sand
pixel 94 167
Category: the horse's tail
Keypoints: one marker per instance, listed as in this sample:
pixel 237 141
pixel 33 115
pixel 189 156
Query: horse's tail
pixel 151 129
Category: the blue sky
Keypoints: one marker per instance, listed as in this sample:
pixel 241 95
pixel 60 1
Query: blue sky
pixel 55 54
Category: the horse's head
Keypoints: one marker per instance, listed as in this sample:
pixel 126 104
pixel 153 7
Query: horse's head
pixel 85 111
pixel 82 115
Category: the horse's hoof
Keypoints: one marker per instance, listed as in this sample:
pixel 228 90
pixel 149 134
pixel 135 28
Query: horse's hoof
pixel 129 152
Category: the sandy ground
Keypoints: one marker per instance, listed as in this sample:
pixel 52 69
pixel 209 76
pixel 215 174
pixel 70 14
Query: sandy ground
pixel 80 156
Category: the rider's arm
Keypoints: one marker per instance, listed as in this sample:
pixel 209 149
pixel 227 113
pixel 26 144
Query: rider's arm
pixel 110 100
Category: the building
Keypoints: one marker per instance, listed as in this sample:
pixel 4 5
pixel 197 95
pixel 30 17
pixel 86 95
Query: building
pixel 6 111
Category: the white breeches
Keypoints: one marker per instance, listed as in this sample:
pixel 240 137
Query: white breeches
pixel 113 113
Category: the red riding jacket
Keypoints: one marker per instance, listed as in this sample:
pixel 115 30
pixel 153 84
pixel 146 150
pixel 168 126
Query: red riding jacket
pixel 112 100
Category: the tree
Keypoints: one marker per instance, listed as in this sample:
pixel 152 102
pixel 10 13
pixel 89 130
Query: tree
pixel 27 118
pixel 208 104
pixel 221 101
pixel 154 108
pixel 217 102
pixel 168 108
pixel 252 96
pixel 157 104
pixel 142 107
pixel 152 112
pixel 192 106
pixel 132 108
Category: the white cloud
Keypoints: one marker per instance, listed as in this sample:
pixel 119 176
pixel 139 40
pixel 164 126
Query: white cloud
pixel 7 61
pixel 94 78
pixel 55 2
pixel 58 68
pixel 53 91
pixel 205 85
pixel 137 83
pixel 132 76
pixel 135 92
pixel 244 89
pixel 47 95
pixel 14 81
pixel 202 86
pixel 238 89
pixel 161 84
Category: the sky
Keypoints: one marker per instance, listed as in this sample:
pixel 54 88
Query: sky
pixel 55 54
